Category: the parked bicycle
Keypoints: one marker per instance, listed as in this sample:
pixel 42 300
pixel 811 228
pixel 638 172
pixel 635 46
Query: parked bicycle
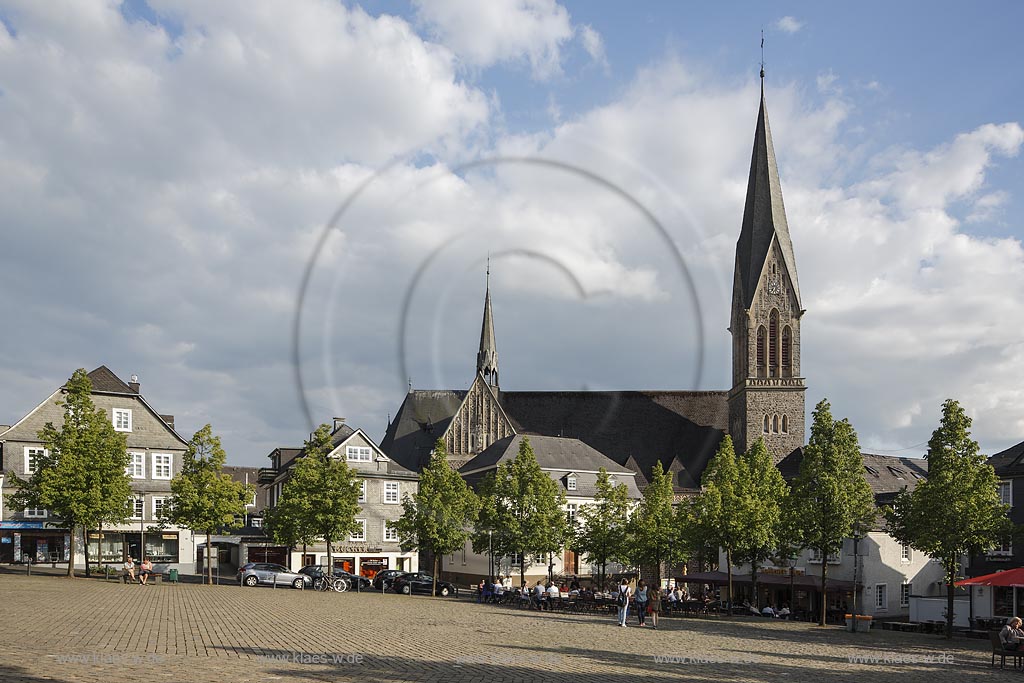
pixel 325 582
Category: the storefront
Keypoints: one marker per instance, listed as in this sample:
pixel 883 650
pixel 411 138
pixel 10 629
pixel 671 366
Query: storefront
pixel 276 554
pixel 114 546
pixel 30 542
pixel 369 566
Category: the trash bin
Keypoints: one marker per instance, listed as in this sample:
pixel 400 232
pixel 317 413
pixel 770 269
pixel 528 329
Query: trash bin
pixel 850 625
pixel 172 575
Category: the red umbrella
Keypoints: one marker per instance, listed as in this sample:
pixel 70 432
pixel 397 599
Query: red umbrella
pixel 1011 578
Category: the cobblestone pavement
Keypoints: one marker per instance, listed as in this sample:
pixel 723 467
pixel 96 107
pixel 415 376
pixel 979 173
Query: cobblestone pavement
pixel 56 629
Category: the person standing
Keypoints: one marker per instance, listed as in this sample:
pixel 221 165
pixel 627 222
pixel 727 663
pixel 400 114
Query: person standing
pixel 654 608
pixel 622 597
pixel 641 602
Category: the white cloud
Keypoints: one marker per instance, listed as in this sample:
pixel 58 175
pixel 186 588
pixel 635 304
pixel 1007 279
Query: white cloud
pixel 486 33
pixel 789 24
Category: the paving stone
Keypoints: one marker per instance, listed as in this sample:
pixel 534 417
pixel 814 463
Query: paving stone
pixel 91 631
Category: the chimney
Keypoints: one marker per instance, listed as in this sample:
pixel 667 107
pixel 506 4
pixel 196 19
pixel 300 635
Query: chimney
pixel 338 422
pixel 134 384
pixel 169 419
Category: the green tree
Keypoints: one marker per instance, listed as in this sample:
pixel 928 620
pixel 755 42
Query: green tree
pixel 321 494
pixel 439 516
pixel 205 499
pixel 82 478
pixel 655 532
pixel 830 494
pixel 956 511
pixel 714 509
pixel 523 508
pixel 601 528
pixel 763 493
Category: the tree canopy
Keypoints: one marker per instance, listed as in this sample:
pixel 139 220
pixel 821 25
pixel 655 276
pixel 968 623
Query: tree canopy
pixel 656 531
pixel 205 499
pixel 600 530
pixel 82 477
pixel 956 511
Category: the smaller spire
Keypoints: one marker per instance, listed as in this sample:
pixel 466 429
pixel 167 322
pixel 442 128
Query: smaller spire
pixel 487 356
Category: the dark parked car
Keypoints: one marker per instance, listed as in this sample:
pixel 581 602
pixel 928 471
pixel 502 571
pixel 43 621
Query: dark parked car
pixel 255 573
pixel 383 579
pixel 421 583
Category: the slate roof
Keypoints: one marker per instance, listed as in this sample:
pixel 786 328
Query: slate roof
pixel 559 456
pixel 104 380
pixel 1010 462
pixel 635 429
pixel 421 420
pixel 887 475
pixel 764 216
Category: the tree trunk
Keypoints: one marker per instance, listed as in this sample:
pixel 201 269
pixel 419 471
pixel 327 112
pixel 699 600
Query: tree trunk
pixel 728 569
pixel 209 556
pixel 301 561
pixel 437 566
pixel 85 535
pixel 792 594
pixel 71 551
pixel 330 560
pixel 753 580
pixel 824 576
pixel 522 568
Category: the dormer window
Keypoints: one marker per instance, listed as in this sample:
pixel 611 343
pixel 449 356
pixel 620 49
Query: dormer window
pixel 896 472
pixel 570 483
pixel 871 469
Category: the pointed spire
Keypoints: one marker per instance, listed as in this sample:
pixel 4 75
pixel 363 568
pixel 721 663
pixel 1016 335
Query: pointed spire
pixel 487 356
pixel 764 215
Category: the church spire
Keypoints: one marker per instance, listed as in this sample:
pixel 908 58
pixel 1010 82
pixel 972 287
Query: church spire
pixel 487 356
pixel 764 216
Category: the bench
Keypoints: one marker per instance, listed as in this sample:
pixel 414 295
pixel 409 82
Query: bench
pixel 997 649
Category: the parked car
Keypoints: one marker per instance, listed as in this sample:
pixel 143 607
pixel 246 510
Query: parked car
pixel 255 573
pixel 421 583
pixel 383 579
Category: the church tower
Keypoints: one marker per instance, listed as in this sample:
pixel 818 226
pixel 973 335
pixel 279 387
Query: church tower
pixel 767 397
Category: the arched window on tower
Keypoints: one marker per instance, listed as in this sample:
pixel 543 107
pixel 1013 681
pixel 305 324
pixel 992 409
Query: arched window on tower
pixel 765 424
pixel 773 343
pixel 775 424
pixel 761 335
pixel 785 425
pixel 787 352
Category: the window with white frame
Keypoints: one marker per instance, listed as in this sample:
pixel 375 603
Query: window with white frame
pixel 137 505
pixel 815 558
pixel 161 466
pixel 570 512
pixel 252 502
pixel 256 522
pixel 136 465
pixel 362 490
pixel 390 533
pixel 391 492
pixel 35 513
pixel 905 595
pixel 32 458
pixel 1006 492
pixel 357 453
pixel 159 503
pixel 570 484
pixel 360 533
pixel 1004 548
pixel 905 553
pixel 122 420
pixel 881 597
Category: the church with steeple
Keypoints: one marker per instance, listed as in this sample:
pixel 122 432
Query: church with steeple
pixel 636 429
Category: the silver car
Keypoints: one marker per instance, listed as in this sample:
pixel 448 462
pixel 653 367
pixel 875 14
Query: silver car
pixel 255 573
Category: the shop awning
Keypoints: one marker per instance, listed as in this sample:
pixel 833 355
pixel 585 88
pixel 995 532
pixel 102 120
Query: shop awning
pixel 1010 578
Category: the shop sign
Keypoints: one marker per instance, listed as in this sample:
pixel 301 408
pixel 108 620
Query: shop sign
pixel 21 525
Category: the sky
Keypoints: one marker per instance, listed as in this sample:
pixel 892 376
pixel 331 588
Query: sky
pixel 278 213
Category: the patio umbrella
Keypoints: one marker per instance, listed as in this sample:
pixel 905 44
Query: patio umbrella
pixel 1010 578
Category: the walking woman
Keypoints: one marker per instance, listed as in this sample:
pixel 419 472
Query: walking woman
pixel 641 602
pixel 654 606
pixel 622 597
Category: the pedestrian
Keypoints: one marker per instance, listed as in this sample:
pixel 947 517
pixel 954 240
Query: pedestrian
pixel 622 599
pixel 654 607
pixel 641 602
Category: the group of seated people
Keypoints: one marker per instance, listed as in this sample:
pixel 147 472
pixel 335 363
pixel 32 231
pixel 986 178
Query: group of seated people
pixel 769 611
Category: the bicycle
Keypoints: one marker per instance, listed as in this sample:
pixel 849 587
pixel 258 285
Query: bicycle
pixel 330 583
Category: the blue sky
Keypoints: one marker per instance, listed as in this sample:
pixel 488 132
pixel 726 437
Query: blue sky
pixel 170 167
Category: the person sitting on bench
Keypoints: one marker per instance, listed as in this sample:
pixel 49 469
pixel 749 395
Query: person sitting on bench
pixel 129 570
pixel 1011 636
pixel 144 573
